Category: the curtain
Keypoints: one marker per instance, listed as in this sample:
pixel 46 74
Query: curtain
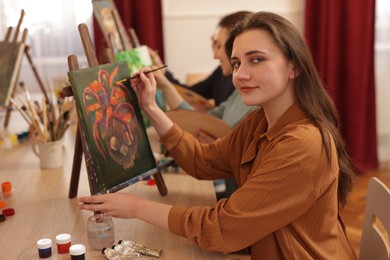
pixel 341 35
pixel 145 16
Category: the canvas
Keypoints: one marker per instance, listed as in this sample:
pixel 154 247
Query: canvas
pixel 136 58
pixel 11 56
pixel 103 11
pixel 112 126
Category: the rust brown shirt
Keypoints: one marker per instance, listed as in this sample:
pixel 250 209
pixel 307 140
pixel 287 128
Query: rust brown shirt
pixel 286 205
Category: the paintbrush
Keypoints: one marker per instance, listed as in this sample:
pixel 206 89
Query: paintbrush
pixel 25 110
pixel 24 115
pixel 35 121
pixel 44 116
pixel 63 124
pixel 38 110
pixel 65 108
pixel 147 72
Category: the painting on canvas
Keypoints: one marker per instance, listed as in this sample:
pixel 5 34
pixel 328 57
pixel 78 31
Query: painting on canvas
pixel 112 126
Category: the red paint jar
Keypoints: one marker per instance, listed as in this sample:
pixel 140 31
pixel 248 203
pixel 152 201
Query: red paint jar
pixel 63 242
pixel 6 188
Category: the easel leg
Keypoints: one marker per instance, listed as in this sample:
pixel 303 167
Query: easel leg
pixel 9 108
pixel 77 159
pixel 162 188
pixel 7 115
pixel 40 83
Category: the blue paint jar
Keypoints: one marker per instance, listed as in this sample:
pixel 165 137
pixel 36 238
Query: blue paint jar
pixel 44 247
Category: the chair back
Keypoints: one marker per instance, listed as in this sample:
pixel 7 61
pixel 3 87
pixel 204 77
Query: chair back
pixel 376 226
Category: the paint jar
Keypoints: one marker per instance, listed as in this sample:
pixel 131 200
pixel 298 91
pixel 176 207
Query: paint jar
pixel 77 252
pixel 44 247
pixel 100 230
pixel 63 242
pixel 6 189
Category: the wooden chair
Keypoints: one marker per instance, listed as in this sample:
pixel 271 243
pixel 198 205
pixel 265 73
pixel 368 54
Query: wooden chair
pixel 376 225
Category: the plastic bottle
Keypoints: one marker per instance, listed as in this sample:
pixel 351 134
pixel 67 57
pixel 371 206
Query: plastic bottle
pixel 100 231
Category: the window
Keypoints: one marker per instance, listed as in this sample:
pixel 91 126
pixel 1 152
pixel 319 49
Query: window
pixel 52 35
pixel 382 77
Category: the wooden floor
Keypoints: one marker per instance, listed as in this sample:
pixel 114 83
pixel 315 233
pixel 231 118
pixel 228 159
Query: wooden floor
pixel 353 213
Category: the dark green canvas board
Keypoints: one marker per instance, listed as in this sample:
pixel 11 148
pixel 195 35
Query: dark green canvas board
pixel 112 126
pixel 11 55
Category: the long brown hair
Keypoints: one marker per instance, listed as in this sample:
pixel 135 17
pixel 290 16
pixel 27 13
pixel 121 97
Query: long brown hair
pixel 309 89
pixel 230 20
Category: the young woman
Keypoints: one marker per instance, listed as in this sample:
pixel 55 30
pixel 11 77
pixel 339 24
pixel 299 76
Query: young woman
pixel 288 157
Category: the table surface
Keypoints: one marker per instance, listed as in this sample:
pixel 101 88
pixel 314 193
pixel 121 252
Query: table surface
pixel 43 209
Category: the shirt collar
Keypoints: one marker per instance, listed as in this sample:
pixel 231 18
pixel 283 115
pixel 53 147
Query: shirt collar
pixel 292 114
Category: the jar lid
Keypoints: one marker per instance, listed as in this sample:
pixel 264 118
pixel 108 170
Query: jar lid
pixel 44 243
pixel 8 212
pixel 63 238
pixel 77 249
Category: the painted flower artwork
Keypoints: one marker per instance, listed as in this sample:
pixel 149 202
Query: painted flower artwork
pixel 113 134
pixel 115 130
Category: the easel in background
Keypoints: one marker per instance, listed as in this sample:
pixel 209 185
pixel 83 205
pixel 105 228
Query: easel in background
pixel 26 51
pixel 80 145
pixel 111 25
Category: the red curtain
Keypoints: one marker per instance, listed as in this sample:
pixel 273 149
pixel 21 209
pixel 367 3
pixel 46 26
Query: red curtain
pixel 341 35
pixel 145 16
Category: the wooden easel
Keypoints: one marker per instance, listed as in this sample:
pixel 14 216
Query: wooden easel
pixel 26 51
pixel 80 145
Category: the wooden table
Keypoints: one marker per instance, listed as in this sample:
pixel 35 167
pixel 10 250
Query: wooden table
pixel 43 209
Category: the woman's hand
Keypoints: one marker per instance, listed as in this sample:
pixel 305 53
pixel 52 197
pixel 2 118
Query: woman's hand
pixel 118 205
pixel 124 205
pixel 144 86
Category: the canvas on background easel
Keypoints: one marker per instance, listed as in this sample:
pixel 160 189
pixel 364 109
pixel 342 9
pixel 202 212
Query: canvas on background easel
pixel 111 25
pixel 11 56
pixel 110 130
pixel 125 46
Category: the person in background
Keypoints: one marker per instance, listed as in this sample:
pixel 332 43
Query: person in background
pixel 218 85
pixel 288 157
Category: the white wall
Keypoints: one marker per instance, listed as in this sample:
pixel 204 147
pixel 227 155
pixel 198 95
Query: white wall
pixel 189 24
